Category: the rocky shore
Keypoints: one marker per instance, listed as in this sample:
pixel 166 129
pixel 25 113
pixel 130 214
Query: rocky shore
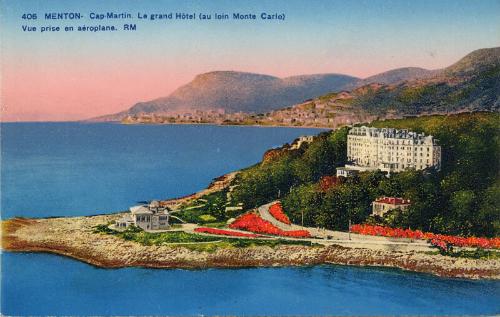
pixel 74 237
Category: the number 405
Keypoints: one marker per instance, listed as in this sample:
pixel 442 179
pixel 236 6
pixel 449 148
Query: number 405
pixel 29 16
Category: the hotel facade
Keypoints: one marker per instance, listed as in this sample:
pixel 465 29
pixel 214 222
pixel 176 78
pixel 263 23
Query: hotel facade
pixel 391 150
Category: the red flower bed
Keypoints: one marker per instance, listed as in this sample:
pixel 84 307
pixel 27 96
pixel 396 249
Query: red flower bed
pixel 277 212
pixel 327 182
pixel 254 223
pixel 226 232
pixel 440 244
pixel 437 239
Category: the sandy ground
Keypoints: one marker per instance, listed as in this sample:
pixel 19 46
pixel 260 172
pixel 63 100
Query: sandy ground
pixel 74 237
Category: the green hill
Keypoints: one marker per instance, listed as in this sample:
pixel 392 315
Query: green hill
pixel 463 198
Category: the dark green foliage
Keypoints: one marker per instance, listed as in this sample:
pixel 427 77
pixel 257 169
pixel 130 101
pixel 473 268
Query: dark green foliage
pixel 262 183
pixel 301 204
pixel 488 215
pixel 461 199
pixel 209 205
pixel 103 229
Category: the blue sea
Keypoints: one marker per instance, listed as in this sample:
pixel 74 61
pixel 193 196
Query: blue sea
pixel 68 169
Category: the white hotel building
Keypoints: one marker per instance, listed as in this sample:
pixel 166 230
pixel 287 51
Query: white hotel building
pixel 390 150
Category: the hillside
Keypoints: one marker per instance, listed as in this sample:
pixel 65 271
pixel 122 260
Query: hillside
pixel 471 84
pixel 399 75
pixel 231 92
pixel 478 61
pixel 461 199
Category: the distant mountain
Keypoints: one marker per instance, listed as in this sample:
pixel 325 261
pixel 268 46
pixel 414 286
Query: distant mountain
pixel 238 91
pixel 471 84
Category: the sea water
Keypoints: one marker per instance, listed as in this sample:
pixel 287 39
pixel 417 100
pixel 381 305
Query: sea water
pixel 67 169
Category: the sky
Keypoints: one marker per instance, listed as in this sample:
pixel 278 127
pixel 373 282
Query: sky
pixel 57 76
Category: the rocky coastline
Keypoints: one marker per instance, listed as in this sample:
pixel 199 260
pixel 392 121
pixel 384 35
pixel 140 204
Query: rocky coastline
pixel 74 237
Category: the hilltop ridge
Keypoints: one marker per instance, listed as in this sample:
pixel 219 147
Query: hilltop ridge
pixel 232 91
pixel 231 97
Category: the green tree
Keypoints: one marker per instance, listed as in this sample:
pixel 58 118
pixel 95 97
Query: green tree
pixel 488 217
pixel 303 201
pixel 463 206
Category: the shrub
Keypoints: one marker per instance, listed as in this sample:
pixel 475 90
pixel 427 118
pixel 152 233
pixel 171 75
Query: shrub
pixel 103 229
pixel 207 218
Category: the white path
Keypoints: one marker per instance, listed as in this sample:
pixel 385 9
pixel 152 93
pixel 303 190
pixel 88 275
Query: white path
pixel 327 237
pixel 316 232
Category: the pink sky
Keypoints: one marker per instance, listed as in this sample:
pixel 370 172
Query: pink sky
pixel 70 76
pixel 69 89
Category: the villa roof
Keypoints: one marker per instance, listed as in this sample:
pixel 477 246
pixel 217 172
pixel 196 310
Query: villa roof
pixel 393 200
pixel 140 210
pixel 126 218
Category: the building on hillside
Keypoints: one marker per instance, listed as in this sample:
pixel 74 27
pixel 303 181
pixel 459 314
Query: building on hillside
pixel 301 140
pixel 391 150
pixel 383 204
pixel 148 217
pixel 346 172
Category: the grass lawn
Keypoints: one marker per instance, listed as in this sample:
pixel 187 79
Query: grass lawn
pixel 189 240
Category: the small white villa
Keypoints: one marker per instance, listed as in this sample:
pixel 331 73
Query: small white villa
pixel 148 217
pixel 301 140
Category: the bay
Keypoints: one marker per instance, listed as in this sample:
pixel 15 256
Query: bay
pixel 43 284
pixel 70 169
pixel 73 169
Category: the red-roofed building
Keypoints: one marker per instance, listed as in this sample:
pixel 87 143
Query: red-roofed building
pixel 383 204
